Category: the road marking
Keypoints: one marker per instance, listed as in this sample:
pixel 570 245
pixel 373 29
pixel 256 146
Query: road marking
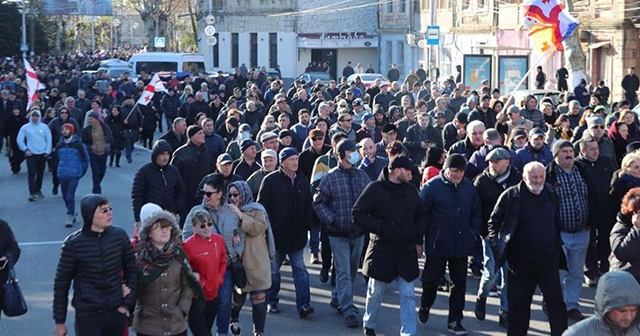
pixel 41 243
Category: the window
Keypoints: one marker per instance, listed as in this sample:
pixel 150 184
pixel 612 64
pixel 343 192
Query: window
pixel 234 50
pixel 465 4
pixel 389 6
pixel 253 52
pixel 401 55
pixel 390 53
pixel 273 50
pixel 403 6
pixel 156 66
pixel 216 52
pixel 481 3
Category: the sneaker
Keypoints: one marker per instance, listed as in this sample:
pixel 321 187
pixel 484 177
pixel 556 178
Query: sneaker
pixel 575 314
pixel 39 194
pixel 32 197
pixel 352 321
pixel 455 327
pixel 503 319
pixel 70 220
pixel 305 311
pixel 235 328
pixel 315 259
pixel 335 305
pixel 476 272
pixel 369 332
pixel 423 314
pixel 591 281
pixel 481 308
pixel 273 308
pixel 324 275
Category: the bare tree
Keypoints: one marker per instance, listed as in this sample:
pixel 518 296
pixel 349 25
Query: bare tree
pixel 575 59
pixel 155 15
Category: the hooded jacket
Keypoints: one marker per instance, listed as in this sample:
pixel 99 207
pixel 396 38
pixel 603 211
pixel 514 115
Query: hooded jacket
pixel 193 162
pixel 35 137
pixel 98 263
pixel 615 290
pixel 160 185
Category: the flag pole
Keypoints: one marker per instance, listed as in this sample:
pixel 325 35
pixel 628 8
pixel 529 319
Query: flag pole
pixel 132 109
pixel 526 75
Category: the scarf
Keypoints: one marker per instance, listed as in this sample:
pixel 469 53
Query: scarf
pixel 246 204
pixel 630 181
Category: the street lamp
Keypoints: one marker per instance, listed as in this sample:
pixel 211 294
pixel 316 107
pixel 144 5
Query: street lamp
pixel 23 46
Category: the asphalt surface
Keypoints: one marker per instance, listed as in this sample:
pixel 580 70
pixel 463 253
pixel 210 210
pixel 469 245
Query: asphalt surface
pixel 39 228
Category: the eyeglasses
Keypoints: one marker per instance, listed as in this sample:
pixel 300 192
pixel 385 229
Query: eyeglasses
pixel 347 120
pixel 598 126
pixel 231 195
pixel 204 225
pixel 209 193
pixel 64 112
pixel 106 209
pixel 317 139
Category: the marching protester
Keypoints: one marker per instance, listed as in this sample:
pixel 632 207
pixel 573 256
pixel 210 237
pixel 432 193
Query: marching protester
pixel 98 138
pixel 73 161
pixel 34 139
pixel 9 252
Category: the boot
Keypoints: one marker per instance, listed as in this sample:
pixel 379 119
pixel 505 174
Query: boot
pixel 118 155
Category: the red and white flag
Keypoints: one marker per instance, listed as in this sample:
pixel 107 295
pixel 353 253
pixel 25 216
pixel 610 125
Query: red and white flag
pixel 155 85
pixel 33 84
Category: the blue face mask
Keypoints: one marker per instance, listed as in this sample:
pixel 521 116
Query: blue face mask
pixel 354 158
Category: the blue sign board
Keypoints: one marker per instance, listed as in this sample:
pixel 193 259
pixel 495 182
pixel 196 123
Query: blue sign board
pixel 433 35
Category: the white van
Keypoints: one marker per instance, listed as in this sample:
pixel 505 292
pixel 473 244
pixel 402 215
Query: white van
pixel 166 62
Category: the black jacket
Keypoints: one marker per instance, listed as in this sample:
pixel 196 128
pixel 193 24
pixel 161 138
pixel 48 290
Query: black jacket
pixel 8 248
pixel 160 185
pixel 394 217
pixel 505 219
pixel 415 136
pixel 591 191
pixel 174 141
pixel 625 246
pixel 489 190
pixel 602 171
pixel 98 264
pixel 289 208
pixel 193 163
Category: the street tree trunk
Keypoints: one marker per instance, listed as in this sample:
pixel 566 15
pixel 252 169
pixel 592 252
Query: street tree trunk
pixel 574 56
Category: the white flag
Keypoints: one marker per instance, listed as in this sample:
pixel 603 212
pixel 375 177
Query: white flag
pixel 33 84
pixel 154 86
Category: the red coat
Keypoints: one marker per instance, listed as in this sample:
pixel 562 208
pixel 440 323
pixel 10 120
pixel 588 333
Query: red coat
pixel 208 258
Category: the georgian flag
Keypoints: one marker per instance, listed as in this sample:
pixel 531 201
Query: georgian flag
pixel 548 23
pixel 155 85
pixel 33 83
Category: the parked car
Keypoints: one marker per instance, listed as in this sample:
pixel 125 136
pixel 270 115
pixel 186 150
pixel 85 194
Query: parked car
pixel 312 77
pixel 369 78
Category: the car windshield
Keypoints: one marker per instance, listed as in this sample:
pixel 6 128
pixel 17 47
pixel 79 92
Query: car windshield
pixel 367 77
pixel 320 76
pixel 154 66
pixel 193 67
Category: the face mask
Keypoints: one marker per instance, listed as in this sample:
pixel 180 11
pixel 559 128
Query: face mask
pixel 354 158
pixel 246 135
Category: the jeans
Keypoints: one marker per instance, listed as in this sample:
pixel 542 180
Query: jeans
pixel 300 278
pixel 128 147
pixel 98 169
pixel 575 247
pixel 35 171
pixel 314 241
pixel 224 308
pixel 435 270
pixel 375 293
pixel 109 323
pixel 346 257
pixel 69 186
pixel 490 275
pixel 523 278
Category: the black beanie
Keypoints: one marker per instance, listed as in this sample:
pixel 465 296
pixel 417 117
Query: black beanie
pixel 192 130
pixel 455 161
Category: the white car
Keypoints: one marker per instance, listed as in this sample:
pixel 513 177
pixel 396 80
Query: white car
pixel 369 78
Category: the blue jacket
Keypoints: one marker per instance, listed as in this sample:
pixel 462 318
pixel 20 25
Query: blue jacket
pixel 453 217
pixel 526 155
pixel 73 158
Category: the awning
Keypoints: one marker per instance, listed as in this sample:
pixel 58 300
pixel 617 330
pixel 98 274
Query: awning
pixel 599 45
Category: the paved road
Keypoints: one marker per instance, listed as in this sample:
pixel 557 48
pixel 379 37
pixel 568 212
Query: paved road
pixel 39 227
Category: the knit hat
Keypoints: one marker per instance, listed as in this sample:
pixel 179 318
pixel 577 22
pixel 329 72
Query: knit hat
pixel 367 116
pixel 633 146
pixel 245 144
pixel 154 214
pixel 68 126
pixel 94 115
pixel 148 209
pixel 193 130
pixel 594 121
pixel 284 133
pixel 461 117
pixel 266 136
pixel 455 161
pixel 559 145
pixel 400 162
pixel 244 128
pixel 287 153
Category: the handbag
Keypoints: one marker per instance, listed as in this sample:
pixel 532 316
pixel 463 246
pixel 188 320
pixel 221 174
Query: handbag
pixel 14 304
pixel 238 273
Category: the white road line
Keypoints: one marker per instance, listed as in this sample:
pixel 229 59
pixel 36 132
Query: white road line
pixel 40 243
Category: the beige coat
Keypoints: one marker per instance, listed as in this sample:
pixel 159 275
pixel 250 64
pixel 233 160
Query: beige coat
pixel 163 306
pixel 256 253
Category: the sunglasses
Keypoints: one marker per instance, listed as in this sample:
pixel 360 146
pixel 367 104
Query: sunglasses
pixel 317 139
pixel 598 126
pixel 106 209
pixel 204 225
pixel 347 120
pixel 64 112
pixel 209 193
pixel 231 195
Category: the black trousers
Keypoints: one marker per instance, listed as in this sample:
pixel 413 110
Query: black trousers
pixel 523 278
pixel 108 323
pixel 201 320
pixel 35 168
pixel 435 268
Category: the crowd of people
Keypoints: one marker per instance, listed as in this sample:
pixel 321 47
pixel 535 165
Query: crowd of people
pixel 249 173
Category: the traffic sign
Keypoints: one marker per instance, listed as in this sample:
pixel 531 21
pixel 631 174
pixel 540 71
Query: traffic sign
pixel 212 40
pixel 433 35
pixel 209 30
pixel 159 42
pixel 210 19
pixel 422 44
